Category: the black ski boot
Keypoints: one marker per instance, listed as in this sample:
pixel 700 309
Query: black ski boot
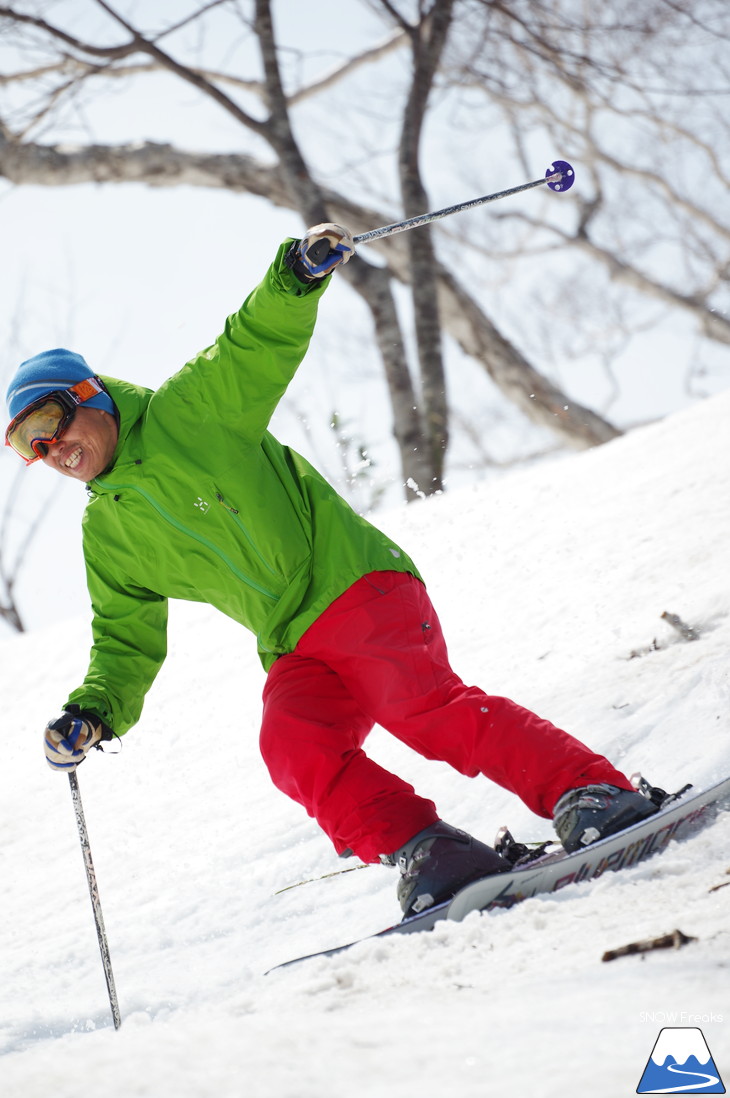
pixel 583 816
pixel 437 862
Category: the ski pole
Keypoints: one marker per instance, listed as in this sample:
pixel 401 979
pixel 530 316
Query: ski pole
pixel 559 177
pixel 94 894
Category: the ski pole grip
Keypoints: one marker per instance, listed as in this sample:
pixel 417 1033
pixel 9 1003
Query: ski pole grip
pixel 318 252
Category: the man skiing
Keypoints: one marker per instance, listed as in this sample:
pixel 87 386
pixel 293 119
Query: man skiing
pixel 191 497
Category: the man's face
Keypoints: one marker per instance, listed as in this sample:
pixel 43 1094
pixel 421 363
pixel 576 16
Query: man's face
pixel 86 446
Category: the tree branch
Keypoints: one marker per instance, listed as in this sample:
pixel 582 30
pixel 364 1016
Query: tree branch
pixel 81 69
pixel 145 45
pixel 63 36
pixel 714 325
pixel 462 317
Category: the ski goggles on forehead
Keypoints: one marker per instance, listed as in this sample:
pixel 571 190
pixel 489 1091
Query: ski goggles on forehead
pixel 43 422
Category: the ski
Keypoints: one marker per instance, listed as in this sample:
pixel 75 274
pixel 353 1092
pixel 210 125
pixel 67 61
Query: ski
pixel 552 870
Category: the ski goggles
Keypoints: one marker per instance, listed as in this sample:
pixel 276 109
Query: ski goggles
pixel 33 430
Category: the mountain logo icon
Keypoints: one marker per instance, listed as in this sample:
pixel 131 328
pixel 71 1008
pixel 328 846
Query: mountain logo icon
pixel 680 1063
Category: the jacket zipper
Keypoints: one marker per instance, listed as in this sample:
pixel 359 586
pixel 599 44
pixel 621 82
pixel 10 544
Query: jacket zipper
pixel 237 519
pixel 176 525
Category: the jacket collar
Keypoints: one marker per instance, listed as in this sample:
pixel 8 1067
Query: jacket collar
pixel 131 403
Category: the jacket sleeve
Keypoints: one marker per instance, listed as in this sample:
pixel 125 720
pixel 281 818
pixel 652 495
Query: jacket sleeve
pixel 237 383
pixel 129 631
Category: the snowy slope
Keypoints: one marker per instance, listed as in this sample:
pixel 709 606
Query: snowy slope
pixel 546 582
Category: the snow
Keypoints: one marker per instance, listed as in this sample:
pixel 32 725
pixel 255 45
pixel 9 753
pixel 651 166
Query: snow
pixel 546 581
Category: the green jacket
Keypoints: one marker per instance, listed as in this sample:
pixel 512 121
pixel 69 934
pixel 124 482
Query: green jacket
pixel 202 503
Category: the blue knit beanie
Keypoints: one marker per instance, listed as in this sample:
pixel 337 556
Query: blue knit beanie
pixel 47 373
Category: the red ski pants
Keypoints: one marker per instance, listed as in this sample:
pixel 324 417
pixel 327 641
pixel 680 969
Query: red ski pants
pixel 377 655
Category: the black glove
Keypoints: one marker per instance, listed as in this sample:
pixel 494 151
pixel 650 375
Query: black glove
pixel 68 739
pixel 321 249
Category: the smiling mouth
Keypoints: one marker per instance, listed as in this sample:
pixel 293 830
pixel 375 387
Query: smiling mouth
pixel 72 461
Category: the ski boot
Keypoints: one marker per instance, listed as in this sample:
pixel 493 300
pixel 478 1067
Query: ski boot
pixel 583 816
pixel 437 862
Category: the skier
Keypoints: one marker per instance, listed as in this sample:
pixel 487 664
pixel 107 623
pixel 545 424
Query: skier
pixel 191 497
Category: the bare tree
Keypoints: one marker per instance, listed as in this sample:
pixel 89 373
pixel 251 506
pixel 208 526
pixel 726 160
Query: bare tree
pixel 72 65
pixel 427 40
pixel 15 542
pixel 9 611
pixel 619 88
pixel 639 94
pixel 13 557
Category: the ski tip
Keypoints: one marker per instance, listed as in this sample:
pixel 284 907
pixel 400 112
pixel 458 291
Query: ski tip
pixel 567 175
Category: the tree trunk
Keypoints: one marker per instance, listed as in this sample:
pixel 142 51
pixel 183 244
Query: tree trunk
pixel 510 371
pixel 427 41
pixel 374 284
